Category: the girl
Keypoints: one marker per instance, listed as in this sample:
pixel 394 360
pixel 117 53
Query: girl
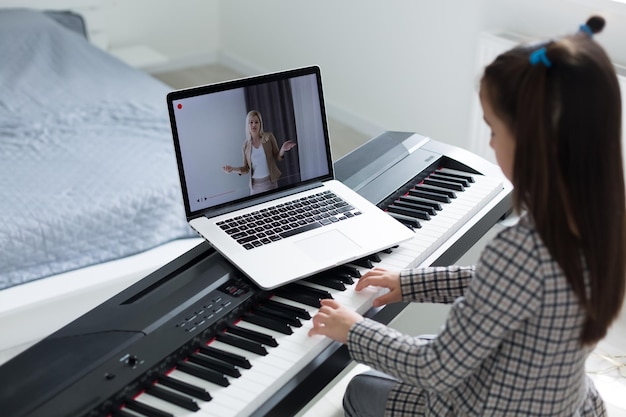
pixel 524 320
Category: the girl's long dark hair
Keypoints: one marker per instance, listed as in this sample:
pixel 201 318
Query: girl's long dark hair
pixel 568 175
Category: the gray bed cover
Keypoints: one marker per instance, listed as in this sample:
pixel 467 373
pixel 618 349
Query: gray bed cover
pixel 87 165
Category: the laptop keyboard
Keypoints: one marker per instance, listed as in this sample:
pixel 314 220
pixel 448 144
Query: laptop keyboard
pixel 268 225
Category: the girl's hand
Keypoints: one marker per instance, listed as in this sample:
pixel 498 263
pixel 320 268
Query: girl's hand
pixel 227 169
pixel 380 277
pixel 334 320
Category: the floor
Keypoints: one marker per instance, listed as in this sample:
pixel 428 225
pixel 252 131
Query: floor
pixel 604 365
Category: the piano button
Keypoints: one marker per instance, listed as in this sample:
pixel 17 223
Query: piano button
pixel 252 335
pixel 244 344
pixel 214 365
pixel 267 323
pixel 184 387
pixel 280 316
pixel 173 397
pixel 297 311
pixel 146 409
pixel 237 360
pixel 203 373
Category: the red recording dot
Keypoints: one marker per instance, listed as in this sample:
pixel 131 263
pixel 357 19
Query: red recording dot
pixel 180 106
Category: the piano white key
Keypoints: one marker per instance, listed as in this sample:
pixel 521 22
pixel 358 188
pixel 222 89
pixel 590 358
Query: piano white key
pixel 222 397
pixel 130 412
pixel 163 405
pixel 273 368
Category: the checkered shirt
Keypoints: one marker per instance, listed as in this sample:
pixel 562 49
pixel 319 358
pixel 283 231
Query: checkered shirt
pixel 510 345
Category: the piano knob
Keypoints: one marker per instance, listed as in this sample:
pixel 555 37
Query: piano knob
pixel 133 360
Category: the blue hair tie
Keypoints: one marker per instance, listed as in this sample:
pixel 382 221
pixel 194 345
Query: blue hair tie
pixel 540 56
pixel 585 28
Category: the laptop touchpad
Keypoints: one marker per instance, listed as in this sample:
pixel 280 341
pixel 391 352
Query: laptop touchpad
pixel 331 244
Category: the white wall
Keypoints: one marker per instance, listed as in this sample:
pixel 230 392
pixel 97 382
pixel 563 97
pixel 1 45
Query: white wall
pixel 392 65
pixel 397 64
pixel 177 29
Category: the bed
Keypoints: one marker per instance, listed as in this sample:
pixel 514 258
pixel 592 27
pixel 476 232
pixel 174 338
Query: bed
pixel 90 199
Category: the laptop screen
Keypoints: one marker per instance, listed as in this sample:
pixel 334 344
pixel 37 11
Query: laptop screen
pixel 250 137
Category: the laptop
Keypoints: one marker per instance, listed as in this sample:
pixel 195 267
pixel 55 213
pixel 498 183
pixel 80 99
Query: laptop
pixel 255 167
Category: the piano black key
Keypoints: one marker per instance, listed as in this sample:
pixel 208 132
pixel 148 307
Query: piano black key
pixel 411 221
pixel 420 192
pixel 418 214
pixel 280 316
pixel 327 281
pixel 423 201
pixel 146 409
pixel 203 373
pixel 363 262
pixel 184 387
pixel 405 202
pixel 215 365
pixel 438 190
pixel 303 289
pixel 268 323
pixel 300 298
pixel 456 173
pixel 445 177
pixel 297 311
pixel 252 335
pixel 352 271
pixel 341 276
pixel 450 185
pixel 229 357
pixel 374 257
pixel 173 397
pixel 244 344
